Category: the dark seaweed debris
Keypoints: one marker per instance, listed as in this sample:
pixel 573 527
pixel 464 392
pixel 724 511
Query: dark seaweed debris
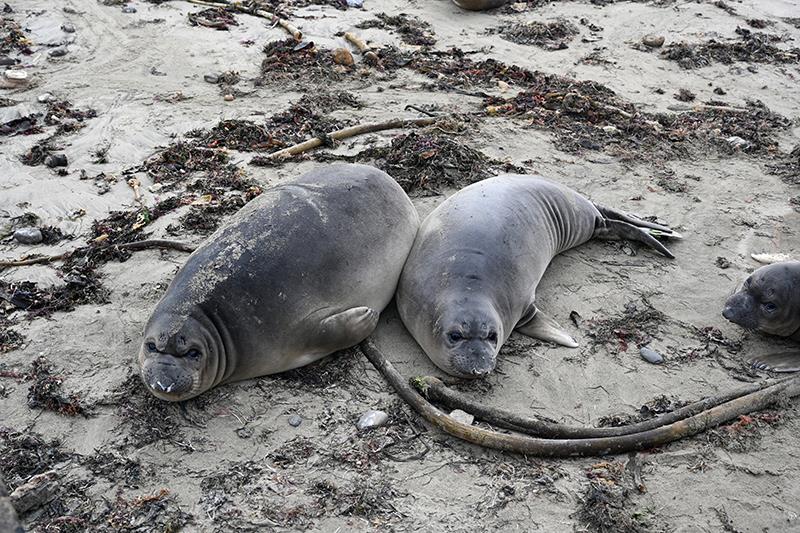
pixel 746 432
pixel 12 37
pixel 752 47
pixel 214 17
pixel 638 324
pixel 788 168
pixel 26 454
pixel 46 391
pixel 289 60
pixel 428 161
pixel 655 407
pixel 550 35
pixel 412 30
pixel 606 504
pixel 10 339
pixel 303 120
pixel 174 163
pixel 81 286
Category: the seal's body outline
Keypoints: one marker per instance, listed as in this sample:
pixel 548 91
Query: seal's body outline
pixel 300 272
pixel 471 277
pixel 769 301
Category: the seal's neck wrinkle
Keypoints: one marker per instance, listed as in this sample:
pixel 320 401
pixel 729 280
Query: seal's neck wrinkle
pixel 221 349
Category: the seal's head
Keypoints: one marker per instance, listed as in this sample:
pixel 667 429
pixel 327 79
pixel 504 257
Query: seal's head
pixel 769 300
pixel 466 338
pixel 178 358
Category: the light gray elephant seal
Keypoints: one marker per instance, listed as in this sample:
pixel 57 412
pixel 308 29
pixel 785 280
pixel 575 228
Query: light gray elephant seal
pixel 479 5
pixel 769 301
pixel 299 273
pixel 471 277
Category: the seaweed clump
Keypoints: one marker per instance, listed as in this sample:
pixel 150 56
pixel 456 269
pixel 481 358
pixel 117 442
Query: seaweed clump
pixel 636 325
pixel 752 47
pixel 289 60
pixel 46 391
pixel 411 29
pixel 548 35
pixel 605 505
pixel 427 161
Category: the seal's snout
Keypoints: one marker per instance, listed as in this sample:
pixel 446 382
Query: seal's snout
pixel 474 359
pixel 167 380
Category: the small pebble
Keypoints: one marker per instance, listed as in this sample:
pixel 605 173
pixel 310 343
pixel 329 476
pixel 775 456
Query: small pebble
pixel 211 78
pixel 611 129
pixel 295 420
pixel 228 98
pixel 355 3
pixel 653 41
pixel 128 9
pixel 650 355
pixel 28 235
pixel 46 97
pixel 462 416
pixel 342 56
pixel 737 142
pixel 57 52
pixel 6 61
pixel 16 75
pixel 372 419
pixel 68 27
pixel 56 160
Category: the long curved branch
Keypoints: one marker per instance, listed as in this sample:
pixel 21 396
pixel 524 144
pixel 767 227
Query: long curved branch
pixel 135 246
pixel 435 390
pixel 527 445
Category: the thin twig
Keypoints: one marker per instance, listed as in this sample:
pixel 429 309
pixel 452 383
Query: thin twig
pixel 134 246
pixel 352 131
pixel 527 445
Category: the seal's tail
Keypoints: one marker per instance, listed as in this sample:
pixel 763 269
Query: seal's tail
pixel 777 362
pixel 619 225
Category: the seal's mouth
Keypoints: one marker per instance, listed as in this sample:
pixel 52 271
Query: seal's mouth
pixel 169 381
pixel 473 359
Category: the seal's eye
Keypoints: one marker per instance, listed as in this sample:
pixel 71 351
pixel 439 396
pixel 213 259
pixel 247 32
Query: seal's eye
pixel 151 347
pixel 769 307
pixel 454 336
pixel 193 354
pixel 492 336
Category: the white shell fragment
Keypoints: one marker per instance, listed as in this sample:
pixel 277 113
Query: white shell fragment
pixel 372 419
pixel 462 416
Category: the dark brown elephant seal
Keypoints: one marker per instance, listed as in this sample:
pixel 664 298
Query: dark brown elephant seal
pixel 299 273
pixel 471 277
pixel 479 5
pixel 769 301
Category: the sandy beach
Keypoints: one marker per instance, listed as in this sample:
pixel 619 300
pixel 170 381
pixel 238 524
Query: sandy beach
pixel 167 114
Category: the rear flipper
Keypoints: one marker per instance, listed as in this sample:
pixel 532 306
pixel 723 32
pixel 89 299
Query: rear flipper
pixel 618 225
pixel 544 328
pixel 777 362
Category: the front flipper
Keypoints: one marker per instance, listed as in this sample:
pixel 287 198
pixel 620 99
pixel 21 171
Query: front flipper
pixel 544 328
pixel 346 329
pixel 777 362
pixel 619 225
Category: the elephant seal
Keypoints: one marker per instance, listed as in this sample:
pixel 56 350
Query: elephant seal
pixel 769 301
pixel 471 277
pixel 479 5
pixel 300 272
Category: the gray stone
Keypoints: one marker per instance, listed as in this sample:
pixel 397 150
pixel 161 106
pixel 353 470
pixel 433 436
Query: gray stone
pixel 28 235
pixel 650 355
pixel 295 420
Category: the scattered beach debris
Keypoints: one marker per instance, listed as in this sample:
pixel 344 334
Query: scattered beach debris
pixel 411 29
pixel 549 35
pixel 752 47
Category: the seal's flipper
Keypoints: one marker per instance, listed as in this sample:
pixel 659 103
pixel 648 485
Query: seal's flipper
pixel 777 362
pixel 661 231
pixel 347 328
pixel 544 328
pixel 616 229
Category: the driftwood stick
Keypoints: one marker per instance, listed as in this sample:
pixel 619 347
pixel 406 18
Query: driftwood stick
pixel 363 47
pixel 527 445
pixel 435 390
pixel 352 131
pixel 263 13
pixel 134 246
